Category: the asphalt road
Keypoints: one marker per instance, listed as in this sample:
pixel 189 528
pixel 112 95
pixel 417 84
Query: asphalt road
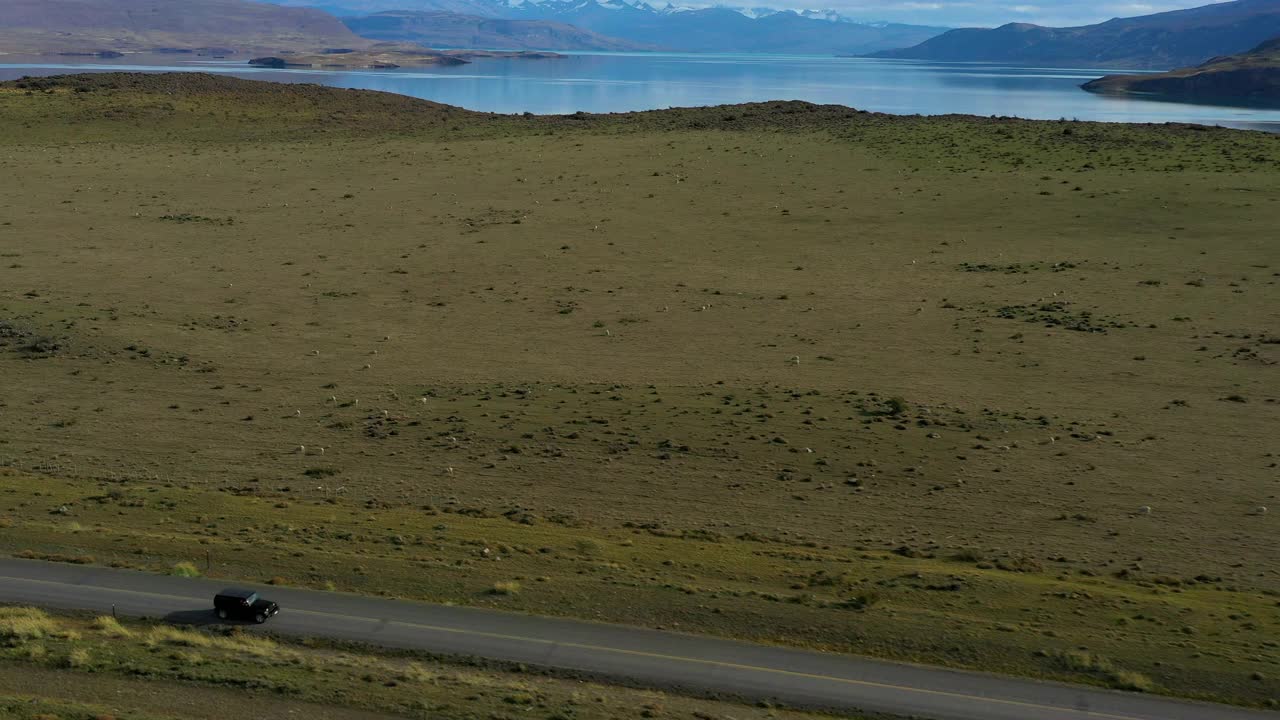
pixel 661 659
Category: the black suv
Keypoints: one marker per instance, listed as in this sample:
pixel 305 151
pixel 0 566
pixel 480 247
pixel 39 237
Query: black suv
pixel 243 605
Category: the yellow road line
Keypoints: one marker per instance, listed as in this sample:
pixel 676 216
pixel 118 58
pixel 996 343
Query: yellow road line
pixel 642 653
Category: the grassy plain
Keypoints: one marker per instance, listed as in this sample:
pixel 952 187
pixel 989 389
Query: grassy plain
pixel 982 392
pixel 66 666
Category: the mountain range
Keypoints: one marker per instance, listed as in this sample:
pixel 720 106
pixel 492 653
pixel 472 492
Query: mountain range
pixel 1160 41
pixel 1172 39
pixel 457 30
pixel 716 29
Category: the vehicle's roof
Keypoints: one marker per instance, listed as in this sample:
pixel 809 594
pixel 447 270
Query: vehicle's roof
pixel 237 592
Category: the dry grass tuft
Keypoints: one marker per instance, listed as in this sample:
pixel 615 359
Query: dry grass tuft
pixel 34 652
pixel 249 645
pixel 111 627
pixel 1129 680
pixel 167 635
pixel 77 658
pixel 417 673
pixel 19 624
pixel 1092 664
pixel 509 587
pixel 187 657
pixel 240 644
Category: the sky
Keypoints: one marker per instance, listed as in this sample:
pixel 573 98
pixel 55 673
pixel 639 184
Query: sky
pixel 964 13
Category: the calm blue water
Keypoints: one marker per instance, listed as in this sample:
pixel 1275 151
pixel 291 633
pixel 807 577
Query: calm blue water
pixel 644 81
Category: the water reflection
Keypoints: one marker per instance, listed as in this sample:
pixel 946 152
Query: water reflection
pixel 636 81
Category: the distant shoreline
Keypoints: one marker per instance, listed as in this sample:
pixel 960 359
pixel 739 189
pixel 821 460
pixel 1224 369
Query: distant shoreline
pixel 537 83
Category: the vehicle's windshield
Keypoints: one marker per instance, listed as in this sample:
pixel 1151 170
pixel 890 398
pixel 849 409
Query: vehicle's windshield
pixel 879 358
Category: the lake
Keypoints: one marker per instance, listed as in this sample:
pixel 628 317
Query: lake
pixel 617 82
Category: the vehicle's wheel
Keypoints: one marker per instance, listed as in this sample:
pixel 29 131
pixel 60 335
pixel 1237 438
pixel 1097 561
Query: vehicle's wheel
pixel 260 618
pixel 222 614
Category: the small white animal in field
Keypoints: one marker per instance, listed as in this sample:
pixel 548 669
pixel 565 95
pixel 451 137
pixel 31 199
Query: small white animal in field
pixel 297 413
pixel 315 352
pixel 795 360
pixel 1145 509
pixel 1260 510
pixel 448 470
pixel 301 450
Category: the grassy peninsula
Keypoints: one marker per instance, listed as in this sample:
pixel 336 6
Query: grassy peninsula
pixel 1251 78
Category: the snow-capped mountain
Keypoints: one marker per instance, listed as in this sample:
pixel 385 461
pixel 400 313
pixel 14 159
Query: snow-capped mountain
pixel 754 13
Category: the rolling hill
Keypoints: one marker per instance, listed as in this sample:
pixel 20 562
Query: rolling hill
pixel 1164 40
pixel 449 29
pixel 1251 78
pixel 137 25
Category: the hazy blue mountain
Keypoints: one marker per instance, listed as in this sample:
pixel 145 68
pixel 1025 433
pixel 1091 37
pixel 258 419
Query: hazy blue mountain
pixel 720 29
pixel 724 29
pixel 456 30
pixel 1164 40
